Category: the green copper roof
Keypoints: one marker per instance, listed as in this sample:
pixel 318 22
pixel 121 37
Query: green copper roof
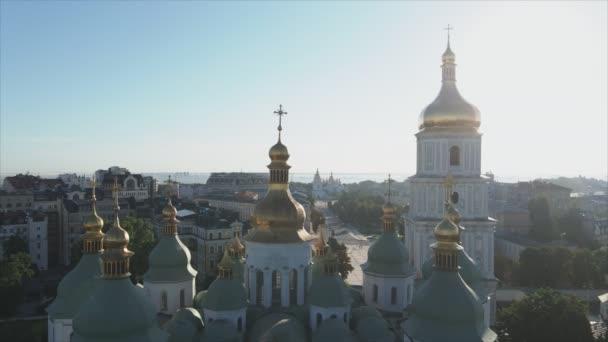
pixel 225 294
pixel 329 291
pixel 117 311
pixel 333 330
pixel 169 261
pixel 445 308
pixel 357 314
pixel 388 256
pixel 184 326
pixel 469 271
pixel 197 302
pixel 76 287
pixel 220 331
pixel 375 329
pixel 277 327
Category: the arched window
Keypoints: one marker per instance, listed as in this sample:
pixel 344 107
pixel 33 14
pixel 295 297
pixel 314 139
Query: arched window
pixel 210 236
pixel 130 184
pixel 211 249
pixel 393 295
pixel 239 324
pixel 260 287
pixel 182 298
pixel 345 318
pixel 219 235
pixel 276 287
pixel 319 320
pixel 293 285
pixel 163 300
pixel 375 294
pixel 454 156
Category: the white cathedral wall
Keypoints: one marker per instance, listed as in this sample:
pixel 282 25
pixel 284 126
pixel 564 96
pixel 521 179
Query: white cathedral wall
pixel 59 330
pixel 233 316
pixel 281 257
pixel 404 286
pixel 338 312
pixel 154 293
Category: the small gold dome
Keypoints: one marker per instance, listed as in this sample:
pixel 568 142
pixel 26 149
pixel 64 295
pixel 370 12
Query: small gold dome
pixel 93 223
pixel 169 211
pixel 116 238
pixel 447 231
pixel 278 152
pixel 389 209
pixel 236 245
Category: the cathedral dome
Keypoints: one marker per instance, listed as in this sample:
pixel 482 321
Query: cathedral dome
pixel 169 211
pixel 449 109
pixel 278 152
pixel 447 231
pixel 277 327
pixel 225 294
pixel 328 290
pixel 221 331
pixel 169 261
pixel 387 255
pixel 185 325
pixel 333 330
pixel 374 329
pixel 93 223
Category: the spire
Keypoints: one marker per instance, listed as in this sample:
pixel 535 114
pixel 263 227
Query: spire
pixel 447 236
pixel 116 255
pixel 448 67
pixel 388 210
pixel 169 213
pixel 236 248
pixel 92 239
pixel 225 266
pixel 279 169
pixel 280 113
pixel 319 247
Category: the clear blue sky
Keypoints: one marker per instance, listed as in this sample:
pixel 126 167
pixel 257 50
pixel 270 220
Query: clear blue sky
pixel 191 86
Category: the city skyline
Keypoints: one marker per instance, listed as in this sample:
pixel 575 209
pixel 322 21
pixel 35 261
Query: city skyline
pixel 86 86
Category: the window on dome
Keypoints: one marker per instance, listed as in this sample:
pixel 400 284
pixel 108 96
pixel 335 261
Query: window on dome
pixel 345 318
pixel 393 295
pixel 319 320
pixel 375 293
pixel 182 298
pixel 454 156
pixel 239 324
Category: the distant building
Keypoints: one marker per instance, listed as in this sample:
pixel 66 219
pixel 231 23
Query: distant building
pixel 15 200
pixel 27 182
pixel 31 227
pixel 130 184
pixel 72 179
pixel 324 189
pixel 242 204
pixel 237 181
pixel 512 245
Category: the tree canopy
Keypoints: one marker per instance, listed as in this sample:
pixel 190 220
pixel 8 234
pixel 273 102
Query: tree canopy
pixel 14 271
pixel 545 315
pixel 344 265
pixel 15 244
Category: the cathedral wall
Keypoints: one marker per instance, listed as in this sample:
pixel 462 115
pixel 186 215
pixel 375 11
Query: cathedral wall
pixel 59 330
pixel 170 296
pixel 319 314
pixel 404 287
pixel 236 317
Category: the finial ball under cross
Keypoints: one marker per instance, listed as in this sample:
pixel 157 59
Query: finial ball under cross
pixel 389 193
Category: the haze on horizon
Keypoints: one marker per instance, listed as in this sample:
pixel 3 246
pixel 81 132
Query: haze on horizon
pixel 191 86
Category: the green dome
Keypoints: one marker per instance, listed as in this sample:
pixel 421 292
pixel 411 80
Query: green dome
pixel 225 294
pixel 469 271
pixel 445 308
pixel 220 331
pixel 198 300
pixel 329 291
pixel 374 329
pixel 333 330
pixel 76 287
pixel 117 311
pixel 169 261
pixel 316 267
pixel 358 314
pixel 388 256
pixel 277 327
pixel 238 268
pixel 184 326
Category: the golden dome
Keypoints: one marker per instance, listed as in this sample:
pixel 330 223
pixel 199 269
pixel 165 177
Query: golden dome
pixel 278 152
pixel 449 109
pixel 236 245
pixel 93 223
pixel 116 237
pixel 446 231
pixel 454 214
pixel 169 210
pixel 389 209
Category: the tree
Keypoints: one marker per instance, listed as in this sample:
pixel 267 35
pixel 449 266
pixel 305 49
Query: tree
pixel 584 271
pixel 316 218
pixel 15 244
pixel 504 269
pixel 545 266
pixel 571 225
pixel 540 218
pixel 545 315
pixel 344 265
pixel 13 272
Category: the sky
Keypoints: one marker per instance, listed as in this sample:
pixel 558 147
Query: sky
pixel 191 86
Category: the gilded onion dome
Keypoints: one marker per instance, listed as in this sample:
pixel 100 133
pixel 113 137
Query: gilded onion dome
pixel 449 109
pixel 116 254
pixel 278 217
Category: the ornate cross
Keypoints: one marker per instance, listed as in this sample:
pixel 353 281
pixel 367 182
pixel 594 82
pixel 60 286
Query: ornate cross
pixel 389 193
pixel 170 187
pixel 449 28
pixel 280 112
pixel 93 184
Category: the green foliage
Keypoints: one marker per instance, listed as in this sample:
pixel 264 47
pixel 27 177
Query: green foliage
pixel 571 225
pixel 541 228
pixel 360 209
pixel 15 244
pixel 344 265
pixel 13 272
pixel 24 331
pixel 558 267
pixel 505 269
pixel 545 315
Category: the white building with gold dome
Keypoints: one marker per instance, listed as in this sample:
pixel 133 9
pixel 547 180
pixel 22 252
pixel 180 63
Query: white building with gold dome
pixel 449 143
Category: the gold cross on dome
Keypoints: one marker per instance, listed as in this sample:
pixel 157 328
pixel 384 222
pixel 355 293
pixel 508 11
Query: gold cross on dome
pixel 449 28
pixel 280 112
pixel 389 193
